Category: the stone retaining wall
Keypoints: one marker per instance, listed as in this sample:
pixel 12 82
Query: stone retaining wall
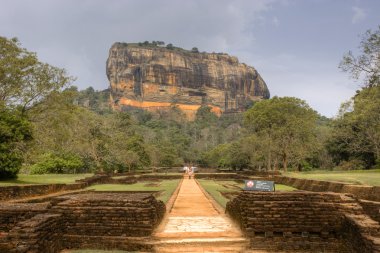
pixel 305 219
pixel 41 233
pixel 372 209
pixel 11 214
pixel 108 219
pixel 113 214
pixel 129 244
pixel 23 191
pixel 361 233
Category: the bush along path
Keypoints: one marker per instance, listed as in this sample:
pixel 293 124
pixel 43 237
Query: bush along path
pixel 195 225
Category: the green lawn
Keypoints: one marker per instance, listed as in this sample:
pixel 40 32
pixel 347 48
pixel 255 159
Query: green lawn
pixel 215 188
pixel 44 179
pixel 166 186
pixel 363 177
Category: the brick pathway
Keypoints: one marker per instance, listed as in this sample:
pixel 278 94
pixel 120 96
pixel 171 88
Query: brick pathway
pixel 195 225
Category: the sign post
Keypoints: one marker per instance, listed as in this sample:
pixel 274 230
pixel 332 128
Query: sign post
pixel 258 185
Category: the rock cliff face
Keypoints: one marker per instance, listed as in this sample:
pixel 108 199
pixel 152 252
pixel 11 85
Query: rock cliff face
pixel 156 78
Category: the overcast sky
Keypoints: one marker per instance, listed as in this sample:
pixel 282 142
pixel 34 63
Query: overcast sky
pixel 296 45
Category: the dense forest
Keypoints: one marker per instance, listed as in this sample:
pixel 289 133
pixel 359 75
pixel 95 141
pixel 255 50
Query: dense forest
pixel 47 125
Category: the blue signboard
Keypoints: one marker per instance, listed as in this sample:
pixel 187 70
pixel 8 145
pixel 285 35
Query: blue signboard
pixel 257 185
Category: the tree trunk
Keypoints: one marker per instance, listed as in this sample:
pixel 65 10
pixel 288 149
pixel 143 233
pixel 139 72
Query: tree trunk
pixel 285 162
pixel 269 162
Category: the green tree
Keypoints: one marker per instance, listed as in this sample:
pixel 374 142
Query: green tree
pixel 237 158
pixel 205 117
pixel 289 126
pixel 217 157
pixel 25 81
pixel 167 156
pixel 136 144
pixel 357 129
pixel 15 130
pixel 256 148
pixel 58 163
pixel 367 64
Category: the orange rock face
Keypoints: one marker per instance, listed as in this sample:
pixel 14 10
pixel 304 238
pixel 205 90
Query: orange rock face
pixel 155 78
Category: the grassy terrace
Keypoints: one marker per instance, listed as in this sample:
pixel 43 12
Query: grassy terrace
pixel 363 177
pixel 166 187
pixel 44 179
pixel 216 189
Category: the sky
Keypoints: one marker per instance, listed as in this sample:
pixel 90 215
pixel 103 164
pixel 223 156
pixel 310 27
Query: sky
pixel 296 45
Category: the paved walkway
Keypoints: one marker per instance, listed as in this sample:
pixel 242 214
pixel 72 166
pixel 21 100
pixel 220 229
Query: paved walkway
pixel 195 225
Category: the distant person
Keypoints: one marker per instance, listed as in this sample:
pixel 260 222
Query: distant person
pixel 191 172
pixel 186 170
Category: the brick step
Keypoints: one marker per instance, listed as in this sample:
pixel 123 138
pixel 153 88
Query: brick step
pixel 300 245
pixel 219 244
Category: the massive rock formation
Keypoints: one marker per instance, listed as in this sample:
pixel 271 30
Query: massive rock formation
pixel 153 77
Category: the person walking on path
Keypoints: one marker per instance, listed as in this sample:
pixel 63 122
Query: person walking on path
pixel 186 170
pixel 191 172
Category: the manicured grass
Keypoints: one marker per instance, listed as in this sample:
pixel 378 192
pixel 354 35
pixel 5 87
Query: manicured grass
pixel 166 186
pixel 363 177
pixel 44 179
pixel 150 174
pixel 284 188
pixel 215 188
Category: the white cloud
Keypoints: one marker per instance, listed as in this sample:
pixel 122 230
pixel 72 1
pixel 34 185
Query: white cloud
pixel 359 14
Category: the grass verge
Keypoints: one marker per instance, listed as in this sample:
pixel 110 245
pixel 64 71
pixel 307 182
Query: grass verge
pixel 166 187
pixel 216 189
pixel 362 177
pixel 44 179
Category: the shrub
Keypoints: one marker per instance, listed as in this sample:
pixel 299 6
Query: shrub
pixel 14 132
pixel 52 163
pixel 353 164
pixel 194 50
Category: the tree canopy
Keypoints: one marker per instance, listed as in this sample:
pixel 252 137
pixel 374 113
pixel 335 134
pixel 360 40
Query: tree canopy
pixel 365 66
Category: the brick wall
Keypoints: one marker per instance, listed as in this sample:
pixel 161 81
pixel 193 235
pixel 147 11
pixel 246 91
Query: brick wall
pixel 88 220
pixel 298 220
pixel 372 209
pixel 361 233
pixel 11 214
pixel 113 214
pixel 41 233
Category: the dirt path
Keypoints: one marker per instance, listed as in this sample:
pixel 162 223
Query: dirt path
pixel 194 224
